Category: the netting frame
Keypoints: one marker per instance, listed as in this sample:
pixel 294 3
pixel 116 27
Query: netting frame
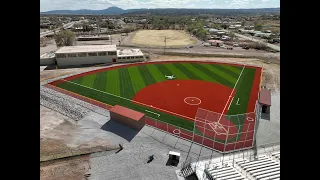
pixel 244 140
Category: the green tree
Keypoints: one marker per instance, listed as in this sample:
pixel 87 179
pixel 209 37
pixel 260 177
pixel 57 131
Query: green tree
pixel 216 26
pixel 258 26
pixel 224 26
pixel 201 34
pixel 65 38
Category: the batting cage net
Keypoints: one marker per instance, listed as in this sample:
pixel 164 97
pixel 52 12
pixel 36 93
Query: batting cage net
pixel 222 132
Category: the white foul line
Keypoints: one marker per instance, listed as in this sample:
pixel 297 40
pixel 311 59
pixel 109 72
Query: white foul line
pixel 231 93
pixel 129 100
pixel 153 113
pixel 230 103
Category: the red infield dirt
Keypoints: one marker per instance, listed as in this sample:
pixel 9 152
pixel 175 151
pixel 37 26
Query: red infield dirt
pixel 184 97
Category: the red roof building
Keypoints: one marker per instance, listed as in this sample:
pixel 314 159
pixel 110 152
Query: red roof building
pixel 265 97
pixel 127 116
pixel 265 100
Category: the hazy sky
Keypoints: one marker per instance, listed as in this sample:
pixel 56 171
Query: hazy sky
pixel 47 5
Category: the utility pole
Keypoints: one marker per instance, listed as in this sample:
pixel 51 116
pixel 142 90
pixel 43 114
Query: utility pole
pixel 165 44
pixel 111 39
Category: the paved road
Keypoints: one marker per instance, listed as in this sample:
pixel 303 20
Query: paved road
pixel 277 48
pixel 68 25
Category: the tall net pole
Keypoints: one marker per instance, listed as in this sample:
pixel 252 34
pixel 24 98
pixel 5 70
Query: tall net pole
pixel 226 142
pixel 204 131
pixel 194 127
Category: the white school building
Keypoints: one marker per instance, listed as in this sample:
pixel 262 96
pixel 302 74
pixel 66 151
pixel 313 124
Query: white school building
pixel 93 54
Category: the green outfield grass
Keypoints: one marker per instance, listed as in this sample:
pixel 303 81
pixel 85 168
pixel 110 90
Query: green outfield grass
pixel 118 86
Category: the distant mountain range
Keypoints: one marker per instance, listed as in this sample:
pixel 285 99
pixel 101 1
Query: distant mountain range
pixel 166 11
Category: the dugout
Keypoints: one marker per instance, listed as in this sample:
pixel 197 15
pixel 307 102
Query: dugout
pixel 265 100
pixel 128 117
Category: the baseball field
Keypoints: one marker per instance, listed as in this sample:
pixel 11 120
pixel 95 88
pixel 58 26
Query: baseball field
pixel 173 92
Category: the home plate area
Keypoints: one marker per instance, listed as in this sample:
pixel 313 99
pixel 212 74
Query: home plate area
pixel 214 125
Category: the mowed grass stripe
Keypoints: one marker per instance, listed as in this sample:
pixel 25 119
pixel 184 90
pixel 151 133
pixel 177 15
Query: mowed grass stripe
pixel 164 70
pixel 113 82
pixel 101 81
pixel 157 75
pixel 198 72
pixel 190 74
pixel 169 69
pixel 136 78
pixel 175 71
pixel 146 75
pixel 88 80
pixel 214 74
pixel 243 90
pixel 231 73
pixel 234 69
pixel 225 75
pixel 126 89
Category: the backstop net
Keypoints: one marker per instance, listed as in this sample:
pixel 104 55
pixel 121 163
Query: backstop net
pixel 224 133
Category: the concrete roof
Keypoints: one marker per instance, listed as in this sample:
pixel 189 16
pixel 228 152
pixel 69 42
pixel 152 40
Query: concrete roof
pixel 89 48
pixel 265 97
pixel 47 55
pixel 129 52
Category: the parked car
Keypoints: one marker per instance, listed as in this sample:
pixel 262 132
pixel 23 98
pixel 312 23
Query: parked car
pixel 245 47
pixel 235 45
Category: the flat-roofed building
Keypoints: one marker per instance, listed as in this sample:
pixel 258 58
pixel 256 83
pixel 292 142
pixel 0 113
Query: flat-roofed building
pixel 83 55
pixel 127 55
pixel 47 59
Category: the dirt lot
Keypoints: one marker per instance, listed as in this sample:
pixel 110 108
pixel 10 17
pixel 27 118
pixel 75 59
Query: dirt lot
pixel 156 38
pixel 73 168
pixel 61 137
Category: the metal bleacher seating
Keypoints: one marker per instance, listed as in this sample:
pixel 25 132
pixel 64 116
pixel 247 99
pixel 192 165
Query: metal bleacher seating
pixel 265 167
pixel 260 168
pixel 225 172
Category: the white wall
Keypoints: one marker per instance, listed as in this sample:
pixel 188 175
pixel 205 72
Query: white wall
pixel 46 61
pixel 85 60
pixel 130 60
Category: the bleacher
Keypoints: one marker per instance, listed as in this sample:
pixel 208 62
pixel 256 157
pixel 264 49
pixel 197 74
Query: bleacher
pixel 225 172
pixel 265 167
pixel 261 168
pixel 276 156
